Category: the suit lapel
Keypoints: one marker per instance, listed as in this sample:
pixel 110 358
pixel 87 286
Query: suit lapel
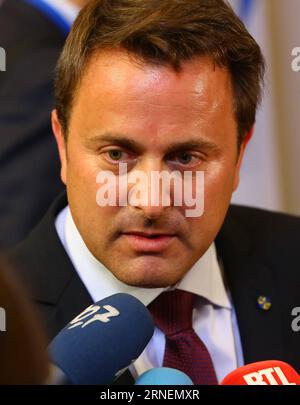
pixel 247 279
pixel 49 274
pixel 73 300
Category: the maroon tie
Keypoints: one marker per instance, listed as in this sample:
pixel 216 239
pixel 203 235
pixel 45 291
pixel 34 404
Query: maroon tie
pixel 185 351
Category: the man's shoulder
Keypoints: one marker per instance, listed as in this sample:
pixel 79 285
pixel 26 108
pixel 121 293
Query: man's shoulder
pixel 273 237
pixel 264 223
pixel 250 216
pixel 46 271
pixel 41 254
pixel 260 255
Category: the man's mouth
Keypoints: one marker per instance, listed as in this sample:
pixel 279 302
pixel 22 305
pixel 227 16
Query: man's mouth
pixel 149 242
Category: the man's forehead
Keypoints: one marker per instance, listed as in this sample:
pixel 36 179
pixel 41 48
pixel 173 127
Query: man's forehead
pixel 117 70
pixel 117 93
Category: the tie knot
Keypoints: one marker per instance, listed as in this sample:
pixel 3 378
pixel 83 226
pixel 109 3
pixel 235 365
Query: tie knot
pixel 172 311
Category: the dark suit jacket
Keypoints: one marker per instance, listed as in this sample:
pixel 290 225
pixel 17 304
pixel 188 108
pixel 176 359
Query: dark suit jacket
pixel 260 254
pixel 29 163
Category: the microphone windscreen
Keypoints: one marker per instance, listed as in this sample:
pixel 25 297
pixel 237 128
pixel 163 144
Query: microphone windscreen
pixel 97 345
pixel 271 372
pixel 163 376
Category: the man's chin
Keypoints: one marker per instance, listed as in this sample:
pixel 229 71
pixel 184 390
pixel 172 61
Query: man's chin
pixel 146 271
pixel 141 283
pixel 144 277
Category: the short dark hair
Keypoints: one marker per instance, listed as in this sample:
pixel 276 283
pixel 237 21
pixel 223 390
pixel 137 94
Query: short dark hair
pixel 164 32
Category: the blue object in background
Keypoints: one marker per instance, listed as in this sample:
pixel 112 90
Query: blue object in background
pixel 245 9
pixel 164 376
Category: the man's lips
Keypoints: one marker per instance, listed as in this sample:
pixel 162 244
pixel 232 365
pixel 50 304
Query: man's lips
pixel 154 242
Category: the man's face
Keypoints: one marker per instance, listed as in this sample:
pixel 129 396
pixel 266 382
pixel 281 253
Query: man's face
pixel 153 119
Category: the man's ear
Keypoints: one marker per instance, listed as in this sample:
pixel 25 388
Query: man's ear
pixel 240 159
pixel 61 143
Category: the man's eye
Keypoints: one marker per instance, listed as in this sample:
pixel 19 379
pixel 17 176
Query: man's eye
pixel 186 158
pixel 115 154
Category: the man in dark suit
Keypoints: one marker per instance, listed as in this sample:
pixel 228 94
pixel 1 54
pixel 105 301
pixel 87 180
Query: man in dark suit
pixel 32 33
pixel 146 86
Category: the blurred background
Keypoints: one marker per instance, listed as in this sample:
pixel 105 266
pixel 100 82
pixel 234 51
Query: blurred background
pixel 270 175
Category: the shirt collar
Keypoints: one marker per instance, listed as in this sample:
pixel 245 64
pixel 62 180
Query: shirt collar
pixel 203 279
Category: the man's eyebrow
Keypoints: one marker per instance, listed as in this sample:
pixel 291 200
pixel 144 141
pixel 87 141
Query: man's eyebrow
pixel 119 140
pixel 199 144
pixel 131 144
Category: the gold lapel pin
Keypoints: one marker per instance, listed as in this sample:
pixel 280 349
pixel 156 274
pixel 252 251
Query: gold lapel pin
pixel 264 303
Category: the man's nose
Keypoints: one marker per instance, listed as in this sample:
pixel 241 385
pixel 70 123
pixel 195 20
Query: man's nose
pixel 154 197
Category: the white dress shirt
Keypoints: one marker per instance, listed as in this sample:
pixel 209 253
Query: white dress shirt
pixel 214 318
